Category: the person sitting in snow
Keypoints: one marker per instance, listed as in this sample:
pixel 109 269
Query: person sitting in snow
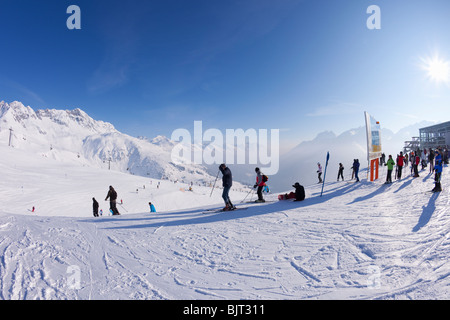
pixel 299 192
pixel 152 207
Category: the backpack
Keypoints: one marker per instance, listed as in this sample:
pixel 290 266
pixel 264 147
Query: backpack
pixel 265 178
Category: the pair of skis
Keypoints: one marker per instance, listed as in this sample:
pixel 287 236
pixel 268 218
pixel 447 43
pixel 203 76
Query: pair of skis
pixel 222 210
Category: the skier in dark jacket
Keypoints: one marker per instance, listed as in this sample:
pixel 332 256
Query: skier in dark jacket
pixel 431 160
pixel 112 195
pixel 227 182
pixel 95 207
pixel 341 172
pixel 355 168
pixel 299 192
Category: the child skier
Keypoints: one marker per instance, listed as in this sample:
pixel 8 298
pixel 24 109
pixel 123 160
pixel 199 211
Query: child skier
pixel 260 183
pixel 319 172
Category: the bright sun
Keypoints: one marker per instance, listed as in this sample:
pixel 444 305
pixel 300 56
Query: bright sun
pixel 438 70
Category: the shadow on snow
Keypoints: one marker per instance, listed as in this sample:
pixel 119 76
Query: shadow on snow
pixel 198 215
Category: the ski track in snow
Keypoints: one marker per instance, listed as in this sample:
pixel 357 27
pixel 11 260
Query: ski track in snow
pixel 358 241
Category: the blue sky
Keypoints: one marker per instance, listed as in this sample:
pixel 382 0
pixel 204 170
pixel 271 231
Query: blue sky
pixel 150 67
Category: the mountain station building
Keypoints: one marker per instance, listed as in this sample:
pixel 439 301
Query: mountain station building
pixel 430 137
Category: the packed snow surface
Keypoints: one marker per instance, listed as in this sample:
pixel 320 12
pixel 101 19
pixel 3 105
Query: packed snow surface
pixel 358 241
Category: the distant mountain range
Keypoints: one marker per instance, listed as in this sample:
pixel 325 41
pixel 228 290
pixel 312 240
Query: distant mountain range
pixel 300 164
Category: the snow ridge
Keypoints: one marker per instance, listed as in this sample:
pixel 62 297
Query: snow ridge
pixel 73 136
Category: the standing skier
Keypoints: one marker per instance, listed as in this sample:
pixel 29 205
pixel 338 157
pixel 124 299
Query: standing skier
pixel 400 163
pixel 341 172
pixel 416 165
pixel 227 182
pixel 152 207
pixel 112 195
pixel 260 183
pixel 390 164
pixel 319 172
pixel 438 172
pixel 431 160
pixel 95 207
pixel 355 168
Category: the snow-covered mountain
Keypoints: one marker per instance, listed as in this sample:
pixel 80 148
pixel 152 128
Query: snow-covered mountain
pixel 73 136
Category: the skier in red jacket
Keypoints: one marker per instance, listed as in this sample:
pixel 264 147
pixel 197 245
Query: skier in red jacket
pixel 260 184
pixel 400 163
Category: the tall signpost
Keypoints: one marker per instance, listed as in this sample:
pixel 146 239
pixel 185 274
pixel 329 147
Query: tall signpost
pixel 373 132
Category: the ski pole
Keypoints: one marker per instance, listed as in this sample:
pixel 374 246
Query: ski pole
pixel 247 195
pixel 252 196
pixel 214 184
pixel 123 207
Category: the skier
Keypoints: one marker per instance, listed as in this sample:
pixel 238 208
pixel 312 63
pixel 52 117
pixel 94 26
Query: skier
pixel 260 183
pixel 341 172
pixel 95 207
pixel 416 165
pixel 400 162
pixel 431 160
pixel 152 207
pixel 390 164
pixel 355 168
pixel 299 192
pixel 382 159
pixel 227 182
pixel 438 172
pixel 319 172
pixel 112 195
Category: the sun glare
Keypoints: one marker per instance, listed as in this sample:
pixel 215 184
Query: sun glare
pixel 437 69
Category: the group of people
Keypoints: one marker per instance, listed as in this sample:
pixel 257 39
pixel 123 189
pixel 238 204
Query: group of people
pixel 260 186
pixel 355 172
pixel 435 158
pixel 112 196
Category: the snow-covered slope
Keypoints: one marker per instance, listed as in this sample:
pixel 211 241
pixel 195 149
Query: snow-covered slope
pixel 358 241
pixel 73 136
